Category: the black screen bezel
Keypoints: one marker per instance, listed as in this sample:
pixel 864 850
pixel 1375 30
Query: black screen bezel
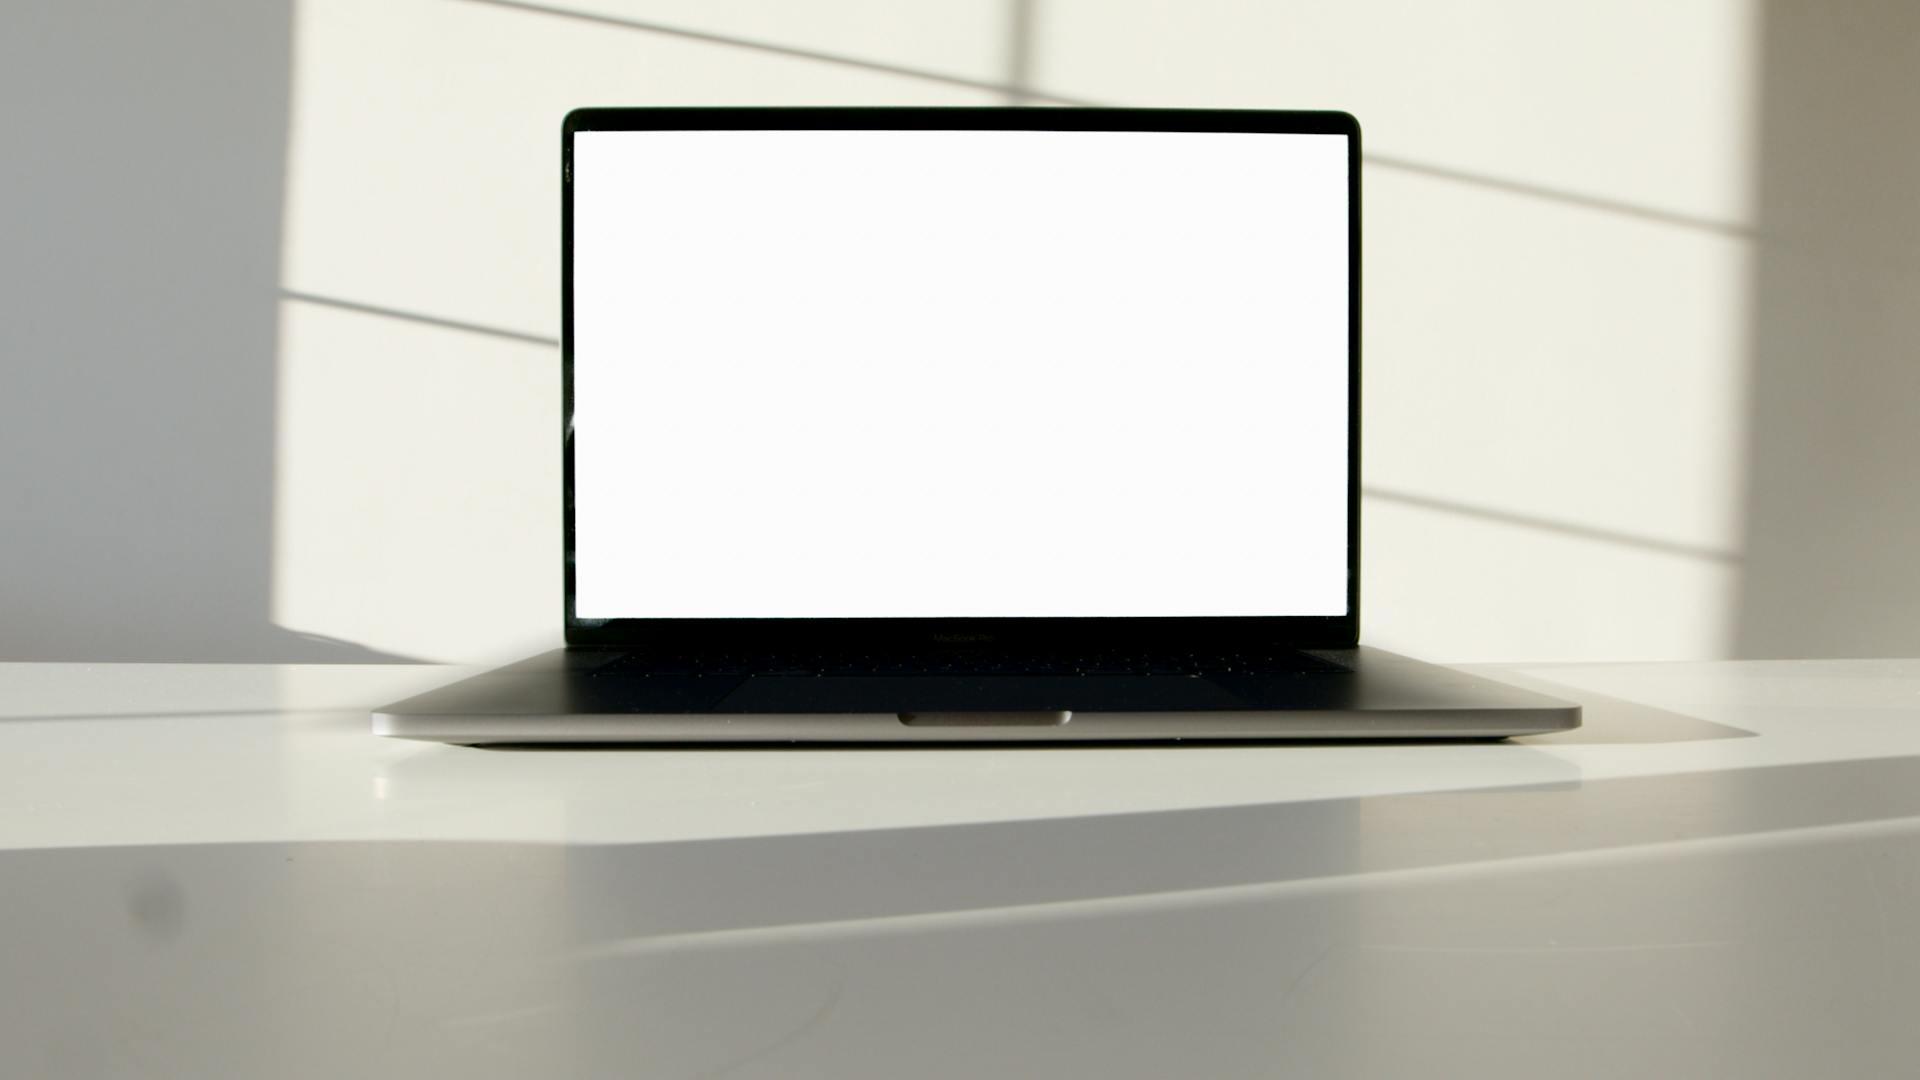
pixel 896 634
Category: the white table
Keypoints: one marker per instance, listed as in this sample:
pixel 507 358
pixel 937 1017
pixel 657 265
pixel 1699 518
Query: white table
pixel 215 871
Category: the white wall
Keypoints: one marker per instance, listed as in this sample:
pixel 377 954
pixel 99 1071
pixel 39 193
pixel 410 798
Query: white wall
pixel 281 380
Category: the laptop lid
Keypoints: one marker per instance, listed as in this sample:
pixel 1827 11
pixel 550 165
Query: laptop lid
pixel 911 378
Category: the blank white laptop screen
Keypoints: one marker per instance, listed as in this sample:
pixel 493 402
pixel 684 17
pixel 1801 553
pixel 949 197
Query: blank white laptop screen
pixel 861 374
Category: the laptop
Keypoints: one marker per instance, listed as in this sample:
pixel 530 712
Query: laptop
pixel 951 425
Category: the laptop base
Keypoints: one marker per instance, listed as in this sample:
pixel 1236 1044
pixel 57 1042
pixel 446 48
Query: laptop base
pixel 550 699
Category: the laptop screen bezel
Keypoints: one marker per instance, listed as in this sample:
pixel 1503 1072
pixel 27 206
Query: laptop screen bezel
pixel 898 634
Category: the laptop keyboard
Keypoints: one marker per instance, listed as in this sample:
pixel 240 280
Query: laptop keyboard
pixel 1255 662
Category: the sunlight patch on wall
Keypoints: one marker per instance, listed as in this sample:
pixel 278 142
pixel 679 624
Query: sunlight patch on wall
pixel 418 474
pixel 1558 220
pixel 1451 587
pixel 419 486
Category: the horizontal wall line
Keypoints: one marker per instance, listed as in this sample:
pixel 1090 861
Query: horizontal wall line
pixel 1646 543
pixel 1018 91
pixel 416 317
pixel 792 52
pixel 1528 521
pixel 1570 198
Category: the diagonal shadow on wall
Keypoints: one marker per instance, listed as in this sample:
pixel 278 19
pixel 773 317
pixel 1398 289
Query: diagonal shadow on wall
pixel 143 185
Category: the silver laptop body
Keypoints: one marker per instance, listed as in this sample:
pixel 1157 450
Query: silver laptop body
pixel 962 425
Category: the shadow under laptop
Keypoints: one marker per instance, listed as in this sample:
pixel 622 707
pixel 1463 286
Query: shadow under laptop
pixel 1614 721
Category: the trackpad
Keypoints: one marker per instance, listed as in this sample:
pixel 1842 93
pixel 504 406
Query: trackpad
pixel 949 694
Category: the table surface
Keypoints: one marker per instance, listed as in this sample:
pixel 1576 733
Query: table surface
pixel 214 870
